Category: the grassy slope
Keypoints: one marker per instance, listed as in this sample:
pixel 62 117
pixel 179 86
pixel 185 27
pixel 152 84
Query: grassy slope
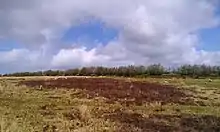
pixel 26 109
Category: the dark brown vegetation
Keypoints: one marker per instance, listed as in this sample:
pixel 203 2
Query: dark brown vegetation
pixel 117 90
pixel 165 123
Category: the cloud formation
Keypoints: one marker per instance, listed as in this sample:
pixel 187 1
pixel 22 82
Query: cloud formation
pixel 149 32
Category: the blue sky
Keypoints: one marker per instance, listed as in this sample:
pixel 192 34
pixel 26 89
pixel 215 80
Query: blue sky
pixel 9 44
pixel 210 39
pixel 90 34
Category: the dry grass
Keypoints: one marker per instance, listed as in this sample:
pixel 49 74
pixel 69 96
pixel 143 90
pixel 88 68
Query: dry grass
pixel 24 109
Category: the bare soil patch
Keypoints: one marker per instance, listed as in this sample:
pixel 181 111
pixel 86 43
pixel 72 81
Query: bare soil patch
pixel 129 92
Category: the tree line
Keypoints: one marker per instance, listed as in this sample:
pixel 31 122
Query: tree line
pixel 158 70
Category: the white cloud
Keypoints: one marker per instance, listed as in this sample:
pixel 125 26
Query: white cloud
pixel 77 57
pixel 149 32
pixel 20 60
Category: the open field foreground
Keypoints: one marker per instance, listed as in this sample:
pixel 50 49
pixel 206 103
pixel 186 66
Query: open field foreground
pixel 82 104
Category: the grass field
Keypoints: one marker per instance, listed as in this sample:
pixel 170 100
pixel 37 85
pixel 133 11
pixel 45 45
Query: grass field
pixel 109 105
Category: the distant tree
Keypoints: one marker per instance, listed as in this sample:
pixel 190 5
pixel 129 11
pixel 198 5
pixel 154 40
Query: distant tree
pixel 50 73
pixel 99 71
pixel 83 71
pixel 72 72
pixel 156 69
pixel 195 71
pixel 218 70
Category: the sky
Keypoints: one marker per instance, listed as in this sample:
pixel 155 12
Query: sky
pixel 54 34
